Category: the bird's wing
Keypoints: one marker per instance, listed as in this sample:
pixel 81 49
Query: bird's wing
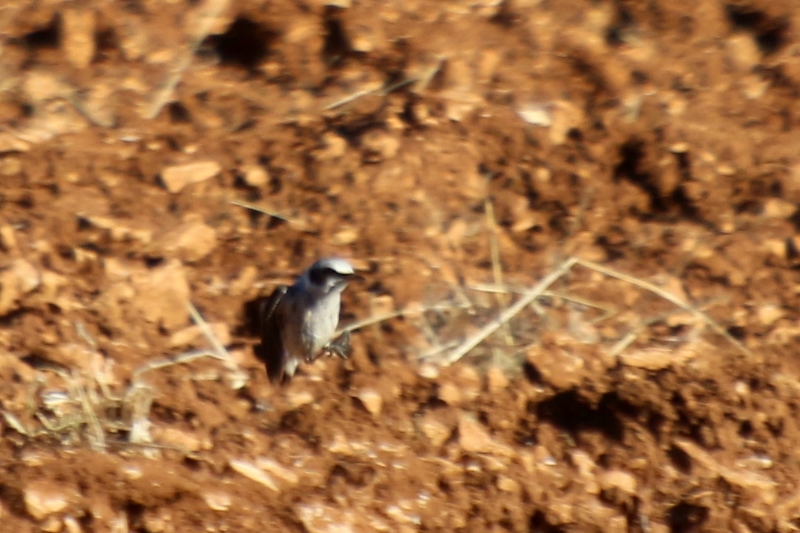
pixel 271 342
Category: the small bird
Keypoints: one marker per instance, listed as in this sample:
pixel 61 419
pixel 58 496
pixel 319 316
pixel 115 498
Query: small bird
pixel 298 322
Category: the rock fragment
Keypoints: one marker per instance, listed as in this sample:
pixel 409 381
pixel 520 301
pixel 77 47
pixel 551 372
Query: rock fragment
pixel 217 500
pixel 323 518
pixel 11 143
pixel 16 281
pixel 495 379
pixel 43 499
pixel 450 394
pixel 371 400
pixel 8 239
pixel 178 438
pixel 244 282
pixel 435 429
pixel 162 295
pixel 255 175
pixel 78 29
pixel 251 471
pixel 297 399
pixel 191 241
pixel 473 438
pixel 619 480
pixel 176 177
pixel 278 470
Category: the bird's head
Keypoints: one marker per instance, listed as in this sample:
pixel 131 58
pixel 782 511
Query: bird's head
pixel 328 275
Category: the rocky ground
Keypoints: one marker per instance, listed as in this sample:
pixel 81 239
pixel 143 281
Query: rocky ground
pixel 165 164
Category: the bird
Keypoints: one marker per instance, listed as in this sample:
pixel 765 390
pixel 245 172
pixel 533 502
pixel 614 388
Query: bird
pixel 298 322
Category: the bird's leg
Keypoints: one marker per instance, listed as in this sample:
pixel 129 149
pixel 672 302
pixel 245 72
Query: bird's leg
pixel 340 347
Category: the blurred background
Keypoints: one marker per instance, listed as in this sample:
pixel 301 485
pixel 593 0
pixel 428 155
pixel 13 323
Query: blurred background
pixel 165 164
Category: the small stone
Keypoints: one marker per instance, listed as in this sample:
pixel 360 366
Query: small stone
pixel 77 30
pixel 255 175
pixel 507 484
pixel 162 295
pixel 344 236
pixel 566 116
pixel 156 521
pixel 380 145
pixel 16 281
pixel 324 518
pixel 535 114
pixel 450 394
pixel 744 51
pixel 428 371
pixel 679 148
pixel 496 380
pixel 191 334
pixel 192 240
pixel 99 105
pixel 177 438
pixel 769 314
pixel 341 445
pixel 278 470
pixel 8 240
pixel 298 399
pixel 10 143
pixel 42 85
pixel 177 177
pixel 436 430
pixel 10 166
pixel 334 147
pixel 618 479
pixel 657 357
pixel 43 499
pixel 51 525
pixel 775 247
pixel 474 438
pixel 779 208
pixel 132 472
pixel 469 381
pixel 51 285
pixel 371 400
pixel 36 458
pixel 217 500
pixel 252 472
pixel 71 525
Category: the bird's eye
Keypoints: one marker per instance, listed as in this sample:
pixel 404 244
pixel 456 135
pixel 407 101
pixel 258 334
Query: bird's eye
pixel 319 276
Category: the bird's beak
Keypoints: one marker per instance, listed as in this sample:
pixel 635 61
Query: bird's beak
pixel 349 278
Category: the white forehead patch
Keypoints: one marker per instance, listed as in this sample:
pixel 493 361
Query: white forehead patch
pixel 337 264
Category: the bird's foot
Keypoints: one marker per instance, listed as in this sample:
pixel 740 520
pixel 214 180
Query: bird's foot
pixel 340 347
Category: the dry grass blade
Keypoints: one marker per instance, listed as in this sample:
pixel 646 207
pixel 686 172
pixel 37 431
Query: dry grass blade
pixel 296 223
pixel 411 310
pixel 497 268
pixel 207 15
pixel 608 310
pixel 139 400
pixel 668 297
pixel 97 437
pixel 15 423
pixel 360 94
pixel 426 78
pixel 238 378
pixel 180 359
pixel 510 312
pixel 530 296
